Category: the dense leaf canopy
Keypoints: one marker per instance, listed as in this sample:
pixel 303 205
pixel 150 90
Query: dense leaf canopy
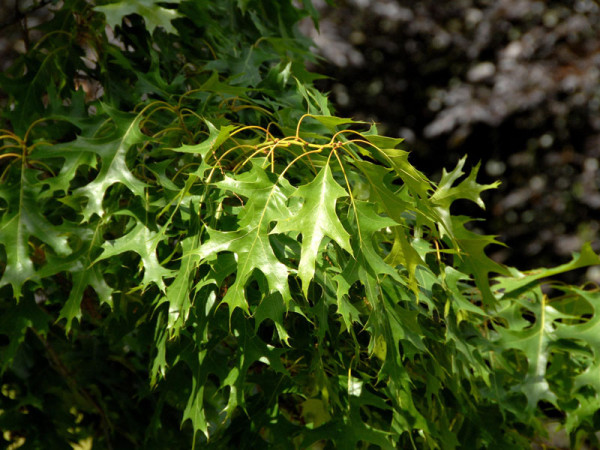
pixel 194 248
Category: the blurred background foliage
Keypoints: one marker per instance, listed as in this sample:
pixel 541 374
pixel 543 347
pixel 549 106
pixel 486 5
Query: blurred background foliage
pixel 514 84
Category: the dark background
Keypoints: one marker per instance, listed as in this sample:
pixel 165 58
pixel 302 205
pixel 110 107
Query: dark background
pixel 514 84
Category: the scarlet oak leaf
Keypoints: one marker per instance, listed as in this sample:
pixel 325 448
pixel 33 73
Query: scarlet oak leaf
pixel 253 251
pixel 23 221
pixel 153 14
pixel 266 201
pixel 446 193
pixel 368 266
pixel 112 149
pixel 535 342
pixel 474 259
pixel 250 242
pixel 139 240
pixel 82 278
pixel 316 219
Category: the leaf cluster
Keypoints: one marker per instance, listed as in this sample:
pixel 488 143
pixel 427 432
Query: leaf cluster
pixel 203 240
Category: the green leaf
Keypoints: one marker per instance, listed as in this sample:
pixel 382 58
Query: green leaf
pixel 153 14
pixel 368 266
pixel 194 410
pixel 380 193
pixel 534 341
pixel 222 88
pixel 33 80
pixel 315 412
pixel 242 66
pixel 332 122
pixel 588 332
pixel 178 292
pixel 253 251
pixel 472 258
pixel 316 219
pixel 82 277
pixel 513 285
pixel 251 349
pixel 468 189
pixel 141 241
pixel 372 135
pixel 402 252
pixel 587 408
pixel 23 220
pixel 460 303
pixel 250 243
pixel 112 150
pixel 312 11
pixel 266 200
pixel 446 193
pixel 368 319
pixel 272 307
pixel 78 265
pixel 317 103
pixel 398 160
pixel 68 171
pixel 215 138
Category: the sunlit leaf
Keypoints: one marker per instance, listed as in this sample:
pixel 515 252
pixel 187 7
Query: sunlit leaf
pixel 316 219
pixel 139 240
pixel 153 14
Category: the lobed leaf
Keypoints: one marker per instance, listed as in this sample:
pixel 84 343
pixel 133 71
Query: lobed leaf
pixel 316 219
pixel 153 14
